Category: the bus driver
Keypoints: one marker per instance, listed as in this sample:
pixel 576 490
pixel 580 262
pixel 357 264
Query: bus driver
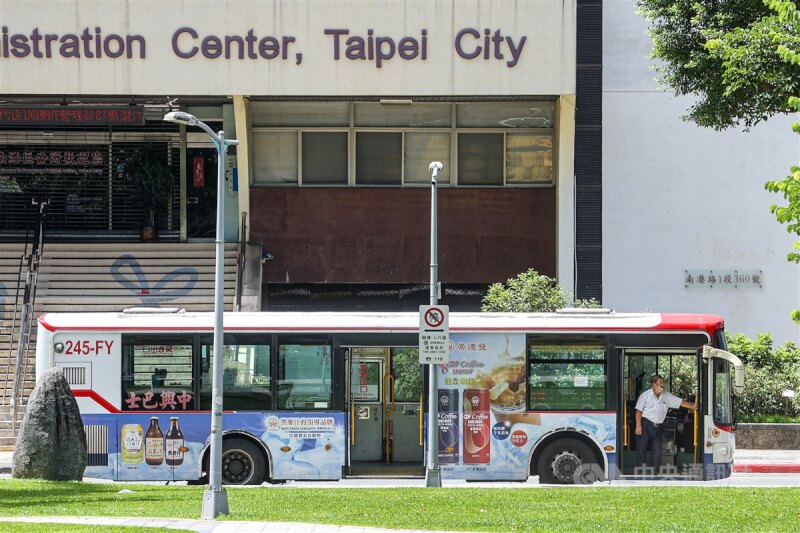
pixel 651 411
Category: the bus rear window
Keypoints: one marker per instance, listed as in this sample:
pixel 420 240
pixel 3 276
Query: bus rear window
pixel 157 374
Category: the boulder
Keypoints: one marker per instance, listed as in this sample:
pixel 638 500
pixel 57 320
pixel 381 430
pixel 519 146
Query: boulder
pixel 51 443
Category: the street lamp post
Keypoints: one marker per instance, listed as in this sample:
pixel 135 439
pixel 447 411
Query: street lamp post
pixel 215 499
pixel 433 476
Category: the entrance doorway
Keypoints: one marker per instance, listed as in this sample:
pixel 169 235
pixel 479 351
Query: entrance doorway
pixel 682 427
pixel 385 399
pixel 201 193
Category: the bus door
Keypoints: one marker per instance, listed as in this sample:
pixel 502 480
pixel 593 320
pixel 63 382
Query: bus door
pixel 680 452
pixel 385 386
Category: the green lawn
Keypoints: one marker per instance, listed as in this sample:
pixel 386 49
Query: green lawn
pixel 476 509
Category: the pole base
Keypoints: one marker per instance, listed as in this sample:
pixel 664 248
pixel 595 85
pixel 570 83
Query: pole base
pixel 215 503
pixel 433 477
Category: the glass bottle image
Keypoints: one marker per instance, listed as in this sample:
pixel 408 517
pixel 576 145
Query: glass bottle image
pixel 154 443
pixel 174 443
pixel 132 444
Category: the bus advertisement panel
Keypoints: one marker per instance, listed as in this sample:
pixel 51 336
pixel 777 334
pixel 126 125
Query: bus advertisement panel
pixel 485 429
pixel 159 446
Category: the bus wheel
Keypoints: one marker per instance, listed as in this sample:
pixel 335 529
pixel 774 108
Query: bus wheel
pixel 242 463
pixel 568 461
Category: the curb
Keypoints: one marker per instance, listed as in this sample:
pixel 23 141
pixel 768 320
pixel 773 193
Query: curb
pixel 766 468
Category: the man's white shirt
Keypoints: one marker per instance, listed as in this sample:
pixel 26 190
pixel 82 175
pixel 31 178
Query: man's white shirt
pixel 655 408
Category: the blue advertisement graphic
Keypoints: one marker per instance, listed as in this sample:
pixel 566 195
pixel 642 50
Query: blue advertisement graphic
pixel 145 447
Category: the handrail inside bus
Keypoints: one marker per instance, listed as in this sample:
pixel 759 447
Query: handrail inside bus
pixel 738 366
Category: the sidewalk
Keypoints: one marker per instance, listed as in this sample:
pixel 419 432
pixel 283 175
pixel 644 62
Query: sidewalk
pixel 766 461
pixel 208 526
pixel 745 462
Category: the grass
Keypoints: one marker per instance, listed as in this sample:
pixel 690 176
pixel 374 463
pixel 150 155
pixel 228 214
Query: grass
pixel 459 509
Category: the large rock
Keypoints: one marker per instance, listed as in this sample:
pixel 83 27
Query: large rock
pixel 51 443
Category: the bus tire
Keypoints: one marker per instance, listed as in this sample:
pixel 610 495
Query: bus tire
pixel 242 463
pixel 567 462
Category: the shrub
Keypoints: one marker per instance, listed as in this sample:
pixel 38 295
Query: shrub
pixel 530 292
pixel 768 372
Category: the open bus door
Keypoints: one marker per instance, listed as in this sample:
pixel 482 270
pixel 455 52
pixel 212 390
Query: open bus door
pixel 683 374
pixel 385 412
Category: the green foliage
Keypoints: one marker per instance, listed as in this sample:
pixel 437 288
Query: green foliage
pixel 407 375
pixel 789 188
pixel 736 57
pixel 153 182
pixel 530 292
pixel 768 372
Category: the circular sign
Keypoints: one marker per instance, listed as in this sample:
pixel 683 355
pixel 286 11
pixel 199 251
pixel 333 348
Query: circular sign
pixel 519 438
pixel 434 317
pixel 501 430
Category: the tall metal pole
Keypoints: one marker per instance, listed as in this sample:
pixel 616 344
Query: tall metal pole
pixel 215 499
pixel 433 476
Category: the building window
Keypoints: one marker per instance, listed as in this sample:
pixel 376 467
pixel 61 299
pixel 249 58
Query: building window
pixel 480 159
pixel 276 158
pixel 379 158
pixel 324 158
pixel 486 144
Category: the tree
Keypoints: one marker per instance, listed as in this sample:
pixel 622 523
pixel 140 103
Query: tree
pixel 529 292
pixel 741 60
pixel 730 55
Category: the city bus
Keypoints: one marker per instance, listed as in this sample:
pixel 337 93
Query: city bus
pixel 326 396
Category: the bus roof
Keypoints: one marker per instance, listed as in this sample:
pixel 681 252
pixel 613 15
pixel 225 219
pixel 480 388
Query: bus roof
pixel 355 322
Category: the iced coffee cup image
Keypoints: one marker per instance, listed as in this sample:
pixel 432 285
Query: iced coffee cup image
pixel 506 384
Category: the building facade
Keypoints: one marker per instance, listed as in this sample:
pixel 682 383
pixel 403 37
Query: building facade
pixel 559 153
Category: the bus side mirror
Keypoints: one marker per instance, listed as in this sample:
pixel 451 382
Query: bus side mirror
pixel 738 366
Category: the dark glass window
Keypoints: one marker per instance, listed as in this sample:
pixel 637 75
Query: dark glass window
pixel 246 376
pixel 304 376
pixel 480 159
pixel 325 158
pixel 567 377
pixel 157 374
pixel 379 158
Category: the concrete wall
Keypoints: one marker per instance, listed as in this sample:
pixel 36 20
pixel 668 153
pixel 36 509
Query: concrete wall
pixel 383 235
pixel 768 436
pixel 677 197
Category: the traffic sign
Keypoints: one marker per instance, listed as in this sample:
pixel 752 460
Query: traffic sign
pixel 434 334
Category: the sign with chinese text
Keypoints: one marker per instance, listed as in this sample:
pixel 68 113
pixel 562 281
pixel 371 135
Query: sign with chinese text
pixel 723 279
pixel 71 116
pixel 434 334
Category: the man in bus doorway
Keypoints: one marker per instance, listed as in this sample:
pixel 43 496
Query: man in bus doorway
pixel 651 411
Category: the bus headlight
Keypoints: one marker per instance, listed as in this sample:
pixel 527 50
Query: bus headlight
pixel 58 347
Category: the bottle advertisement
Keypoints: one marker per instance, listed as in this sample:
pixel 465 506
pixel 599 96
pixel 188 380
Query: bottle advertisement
pixel 485 388
pixel 166 446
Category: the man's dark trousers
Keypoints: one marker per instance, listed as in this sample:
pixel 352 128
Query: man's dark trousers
pixel 651 434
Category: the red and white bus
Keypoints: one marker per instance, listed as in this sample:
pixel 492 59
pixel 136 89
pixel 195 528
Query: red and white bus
pixel 322 396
